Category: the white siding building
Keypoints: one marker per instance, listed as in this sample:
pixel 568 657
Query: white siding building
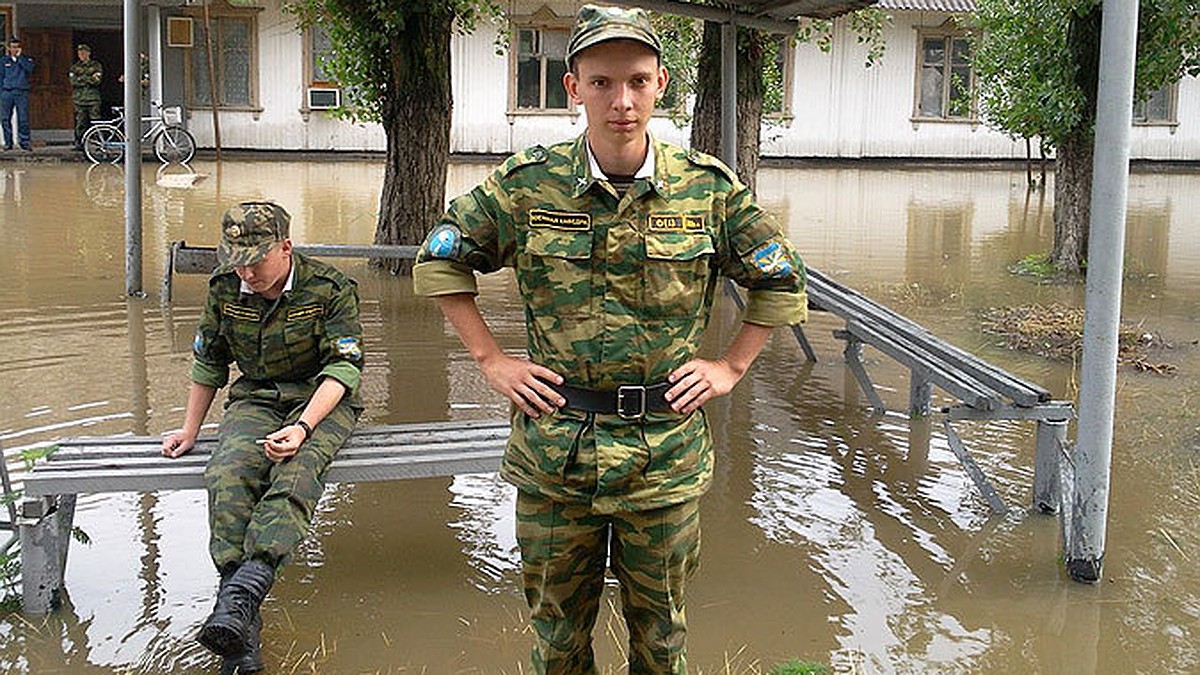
pixel 916 102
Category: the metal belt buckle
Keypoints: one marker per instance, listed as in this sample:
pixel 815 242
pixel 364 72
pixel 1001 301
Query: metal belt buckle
pixel 631 401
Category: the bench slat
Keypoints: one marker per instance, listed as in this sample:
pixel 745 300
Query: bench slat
pixel 852 305
pixel 129 463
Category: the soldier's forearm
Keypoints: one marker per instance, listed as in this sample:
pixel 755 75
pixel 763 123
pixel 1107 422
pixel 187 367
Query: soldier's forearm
pixel 328 394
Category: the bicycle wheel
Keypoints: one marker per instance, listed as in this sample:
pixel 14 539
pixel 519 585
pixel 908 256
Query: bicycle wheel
pixel 104 143
pixel 174 144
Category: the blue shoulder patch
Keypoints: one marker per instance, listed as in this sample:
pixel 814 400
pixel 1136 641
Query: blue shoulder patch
pixel 772 261
pixel 443 242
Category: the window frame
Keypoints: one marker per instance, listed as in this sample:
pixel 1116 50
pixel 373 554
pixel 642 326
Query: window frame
pixel 310 60
pixel 948 32
pixel 1172 120
pixel 540 21
pixel 219 11
pixel 788 77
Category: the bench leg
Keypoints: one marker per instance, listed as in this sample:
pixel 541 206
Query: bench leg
pixel 974 472
pixel 920 392
pixel 45 536
pixel 853 356
pixel 1051 440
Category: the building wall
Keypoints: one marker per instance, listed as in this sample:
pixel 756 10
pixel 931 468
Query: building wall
pixel 840 108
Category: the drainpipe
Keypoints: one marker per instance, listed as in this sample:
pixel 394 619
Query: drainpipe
pixel 1092 457
pixel 154 52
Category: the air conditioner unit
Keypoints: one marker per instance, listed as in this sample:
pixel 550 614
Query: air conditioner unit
pixel 324 98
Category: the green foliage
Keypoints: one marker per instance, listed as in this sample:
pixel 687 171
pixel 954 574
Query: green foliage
pixel 10 571
pixel 1029 63
pixel 31 456
pixel 363 34
pixel 798 667
pixel 681 38
pixel 867 24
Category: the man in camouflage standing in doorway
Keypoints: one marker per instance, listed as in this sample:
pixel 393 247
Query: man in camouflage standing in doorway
pixel 618 241
pixel 291 324
pixel 85 76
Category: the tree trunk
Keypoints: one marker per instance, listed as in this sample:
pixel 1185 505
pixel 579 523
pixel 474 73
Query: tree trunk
pixel 416 120
pixel 706 118
pixel 1073 171
pixel 1072 203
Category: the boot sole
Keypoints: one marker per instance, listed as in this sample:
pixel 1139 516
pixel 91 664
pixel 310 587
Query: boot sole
pixel 222 640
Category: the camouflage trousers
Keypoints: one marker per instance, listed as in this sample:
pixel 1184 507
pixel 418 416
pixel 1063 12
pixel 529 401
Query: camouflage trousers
pixel 652 553
pixel 258 508
pixel 85 114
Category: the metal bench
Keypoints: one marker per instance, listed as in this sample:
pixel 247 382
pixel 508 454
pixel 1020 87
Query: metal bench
pixel 135 464
pixel 983 390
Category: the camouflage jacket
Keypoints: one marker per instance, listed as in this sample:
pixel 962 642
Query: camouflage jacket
pixel 616 291
pixel 85 81
pixel 310 332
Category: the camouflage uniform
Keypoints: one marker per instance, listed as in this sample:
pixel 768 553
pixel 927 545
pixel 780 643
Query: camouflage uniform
pixel 259 509
pixel 617 291
pixel 85 93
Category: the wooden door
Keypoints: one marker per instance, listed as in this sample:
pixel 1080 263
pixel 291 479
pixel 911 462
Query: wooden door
pixel 49 91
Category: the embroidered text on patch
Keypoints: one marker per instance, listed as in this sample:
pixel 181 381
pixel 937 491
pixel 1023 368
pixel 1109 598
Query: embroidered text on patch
pixel 241 312
pixel 674 222
pixel 300 313
pixel 772 261
pixel 559 220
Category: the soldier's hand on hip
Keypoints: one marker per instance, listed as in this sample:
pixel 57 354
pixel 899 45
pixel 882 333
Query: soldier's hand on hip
pixel 524 383
pixel 699 380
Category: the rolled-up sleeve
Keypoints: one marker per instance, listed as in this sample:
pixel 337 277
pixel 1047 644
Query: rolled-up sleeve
pixel 211 355
pixel 760 258
pixel 342 349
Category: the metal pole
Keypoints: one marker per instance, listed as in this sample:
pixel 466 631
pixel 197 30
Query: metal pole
pixel 133 150
pixel 1106 250
pixel 729 141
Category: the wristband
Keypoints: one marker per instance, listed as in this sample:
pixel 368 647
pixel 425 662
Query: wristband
pixel 307 429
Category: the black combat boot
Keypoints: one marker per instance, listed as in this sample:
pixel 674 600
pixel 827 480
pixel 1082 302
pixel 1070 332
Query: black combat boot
pixel 230 628
pixel 251 661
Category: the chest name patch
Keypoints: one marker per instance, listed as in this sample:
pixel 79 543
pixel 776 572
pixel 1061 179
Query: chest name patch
pixel 560 220
pixel 306 312
pixel 675 222
pixel 240 312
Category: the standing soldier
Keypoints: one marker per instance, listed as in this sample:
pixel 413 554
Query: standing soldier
pixel 618 241
pixel 15 69
pixel 85 76
pixel 291 324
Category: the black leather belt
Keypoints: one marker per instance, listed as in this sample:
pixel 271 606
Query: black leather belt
pixel 631 401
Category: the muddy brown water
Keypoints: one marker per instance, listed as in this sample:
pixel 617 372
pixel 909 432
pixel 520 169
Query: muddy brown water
pixel 830 534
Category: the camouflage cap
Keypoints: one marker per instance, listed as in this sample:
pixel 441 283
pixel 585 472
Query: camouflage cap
pixel 249 230
pixel 83 47
pixel 594 24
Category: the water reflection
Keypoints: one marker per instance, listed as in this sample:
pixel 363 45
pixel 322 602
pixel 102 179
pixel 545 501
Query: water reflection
pixel 831 533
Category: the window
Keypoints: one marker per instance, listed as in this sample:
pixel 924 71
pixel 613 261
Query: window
pixel 945 79
pixel 777 78
pixel 235 54
pixel 540 69
pixel 320 48
pixel 537 68
pixel 1159 108
pixel 6 23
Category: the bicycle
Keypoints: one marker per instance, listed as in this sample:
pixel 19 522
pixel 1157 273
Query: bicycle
pixel 105 140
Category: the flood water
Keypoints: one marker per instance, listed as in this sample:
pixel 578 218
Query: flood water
pixel 831 534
